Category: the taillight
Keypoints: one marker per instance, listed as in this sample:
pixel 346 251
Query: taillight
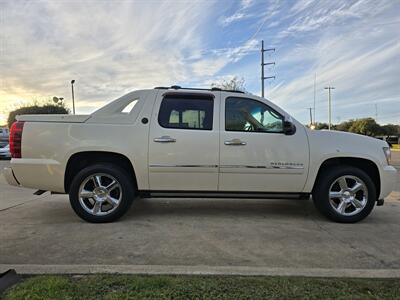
pixel 16 139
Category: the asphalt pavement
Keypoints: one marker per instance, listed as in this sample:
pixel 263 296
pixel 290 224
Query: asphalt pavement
pixel 43 233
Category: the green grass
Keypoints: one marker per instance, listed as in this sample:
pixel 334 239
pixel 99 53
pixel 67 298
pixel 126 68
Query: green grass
pixel 200 287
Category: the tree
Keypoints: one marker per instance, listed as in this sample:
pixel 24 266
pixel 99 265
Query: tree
pixel 319 126
pixel 391 129
pixel 47 108
pixel 234 84
pixel 345 126
pixel 366 126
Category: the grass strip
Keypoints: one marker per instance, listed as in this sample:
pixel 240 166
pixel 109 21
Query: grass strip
pixel 200 287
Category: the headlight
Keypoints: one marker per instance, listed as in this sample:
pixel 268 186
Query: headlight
pixel 388 154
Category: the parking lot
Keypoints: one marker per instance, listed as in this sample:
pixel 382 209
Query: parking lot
pixel 225 233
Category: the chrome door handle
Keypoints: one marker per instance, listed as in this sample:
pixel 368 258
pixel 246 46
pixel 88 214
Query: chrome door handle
pixel 165 139
pixel 235 142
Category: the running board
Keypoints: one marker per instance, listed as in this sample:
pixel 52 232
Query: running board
pixel 202 194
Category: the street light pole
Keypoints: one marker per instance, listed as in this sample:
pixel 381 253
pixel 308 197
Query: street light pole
pixel 73 96
pixel 329 88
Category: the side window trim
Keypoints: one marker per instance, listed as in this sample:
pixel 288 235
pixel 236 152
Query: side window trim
pixel 191 97
pixel 255 100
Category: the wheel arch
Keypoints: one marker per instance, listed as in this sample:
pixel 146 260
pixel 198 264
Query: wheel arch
pixel 368 166
pixel 80 160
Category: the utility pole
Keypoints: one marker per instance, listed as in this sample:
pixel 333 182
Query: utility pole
pixel 73 96
pixel 329 88
pixel 376 113
pixel 315 94
pixel 311 119
pixel 265 64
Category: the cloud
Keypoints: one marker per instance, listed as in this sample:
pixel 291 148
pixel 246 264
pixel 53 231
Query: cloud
pixel 108 49
pixel 362 64
pixel 241 13
pixel 112 49
pixel 301 5
pixel 235 17
pixel 205 68
pixel 246 3
pixel 309 15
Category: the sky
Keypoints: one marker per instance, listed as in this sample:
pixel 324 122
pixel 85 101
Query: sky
pixel 114 47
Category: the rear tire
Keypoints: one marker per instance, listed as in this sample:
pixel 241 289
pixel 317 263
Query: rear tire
pixel 101 193
pixel 344 194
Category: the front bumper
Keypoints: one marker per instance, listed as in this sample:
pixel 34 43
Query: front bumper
pixel 10 177
pixel 388 181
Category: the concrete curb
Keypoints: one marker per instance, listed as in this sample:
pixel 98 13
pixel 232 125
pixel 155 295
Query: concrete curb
pixel 200 270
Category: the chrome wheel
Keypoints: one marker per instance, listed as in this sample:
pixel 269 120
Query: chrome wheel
pixel 100 194
pixel 348 195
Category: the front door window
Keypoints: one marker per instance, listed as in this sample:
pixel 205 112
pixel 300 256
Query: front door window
pixel 250 115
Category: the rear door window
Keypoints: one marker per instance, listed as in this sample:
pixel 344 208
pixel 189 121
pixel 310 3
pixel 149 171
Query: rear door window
pixel 186 112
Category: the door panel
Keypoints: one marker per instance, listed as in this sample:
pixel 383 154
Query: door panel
pixel 183 143
pixel 254 153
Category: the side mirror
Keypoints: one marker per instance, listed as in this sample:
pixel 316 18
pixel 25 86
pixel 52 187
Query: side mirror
pixel 289 128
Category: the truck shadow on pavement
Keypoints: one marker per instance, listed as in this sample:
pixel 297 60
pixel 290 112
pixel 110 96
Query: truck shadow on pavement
pixel 222 208
pixel 57 210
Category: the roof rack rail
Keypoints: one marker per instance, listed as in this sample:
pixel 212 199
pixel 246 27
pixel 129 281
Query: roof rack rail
pixel 177 87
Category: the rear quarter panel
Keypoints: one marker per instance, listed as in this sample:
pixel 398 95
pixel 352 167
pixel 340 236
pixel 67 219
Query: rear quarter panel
pixel 47 147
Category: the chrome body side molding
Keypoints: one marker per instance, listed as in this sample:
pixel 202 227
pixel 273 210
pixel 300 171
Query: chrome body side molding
pixel 181 166
pixel 286 167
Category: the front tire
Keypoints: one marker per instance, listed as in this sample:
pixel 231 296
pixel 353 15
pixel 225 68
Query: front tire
pixel 344 194
pixel 101 193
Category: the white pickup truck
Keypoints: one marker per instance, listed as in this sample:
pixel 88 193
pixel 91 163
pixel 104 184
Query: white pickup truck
pixel 177 142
